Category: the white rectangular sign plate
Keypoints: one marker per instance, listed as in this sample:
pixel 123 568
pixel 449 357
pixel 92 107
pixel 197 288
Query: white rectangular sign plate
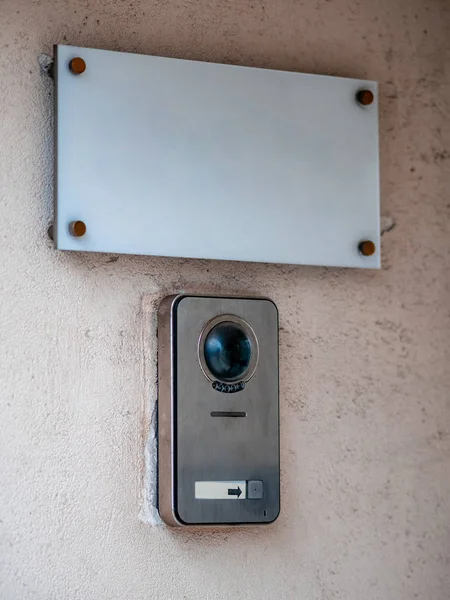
pixel 181 158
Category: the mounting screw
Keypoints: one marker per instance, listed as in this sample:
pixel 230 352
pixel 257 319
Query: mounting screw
pixel 77 66
pixel 77 228
pixel 367 248
pixel 365 97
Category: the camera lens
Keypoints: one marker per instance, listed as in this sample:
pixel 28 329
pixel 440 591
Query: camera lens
pixel 227 351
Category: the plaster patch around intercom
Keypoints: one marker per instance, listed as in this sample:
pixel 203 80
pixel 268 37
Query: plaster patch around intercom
pixel 149 511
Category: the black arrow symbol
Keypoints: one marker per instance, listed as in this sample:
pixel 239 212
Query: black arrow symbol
pixel 235 492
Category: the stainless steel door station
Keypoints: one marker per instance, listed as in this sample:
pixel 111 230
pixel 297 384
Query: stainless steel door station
pixel 218 411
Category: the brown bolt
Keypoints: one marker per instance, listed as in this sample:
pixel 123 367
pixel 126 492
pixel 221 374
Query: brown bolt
pixel 367 248
pixel 77 228
pixel 365 97
pixel 77 66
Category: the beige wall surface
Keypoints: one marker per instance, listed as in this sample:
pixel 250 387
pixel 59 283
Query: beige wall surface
pixel 365 356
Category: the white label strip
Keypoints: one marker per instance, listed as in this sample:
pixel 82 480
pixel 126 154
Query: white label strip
pixel 220 490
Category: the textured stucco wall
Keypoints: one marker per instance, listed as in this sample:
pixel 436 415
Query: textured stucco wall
pixel 365 356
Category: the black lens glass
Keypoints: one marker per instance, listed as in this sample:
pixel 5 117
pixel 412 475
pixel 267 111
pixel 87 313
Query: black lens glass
pixel 228 351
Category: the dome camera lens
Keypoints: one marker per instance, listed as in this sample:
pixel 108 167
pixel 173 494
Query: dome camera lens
pixel 227 351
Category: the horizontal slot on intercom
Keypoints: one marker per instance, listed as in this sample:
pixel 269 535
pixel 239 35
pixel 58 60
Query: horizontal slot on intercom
pixel 228 413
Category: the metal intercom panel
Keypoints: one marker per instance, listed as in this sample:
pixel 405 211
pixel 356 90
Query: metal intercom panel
pixel 218 411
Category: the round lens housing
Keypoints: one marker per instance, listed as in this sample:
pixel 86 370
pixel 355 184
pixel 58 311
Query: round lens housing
pixel 228 349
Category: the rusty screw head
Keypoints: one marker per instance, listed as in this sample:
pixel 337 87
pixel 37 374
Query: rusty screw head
pixel 367 248
pixel 77 228
pixel 77 66
pixel 365 97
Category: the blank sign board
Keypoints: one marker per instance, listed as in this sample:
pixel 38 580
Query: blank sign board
pixel 175 157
